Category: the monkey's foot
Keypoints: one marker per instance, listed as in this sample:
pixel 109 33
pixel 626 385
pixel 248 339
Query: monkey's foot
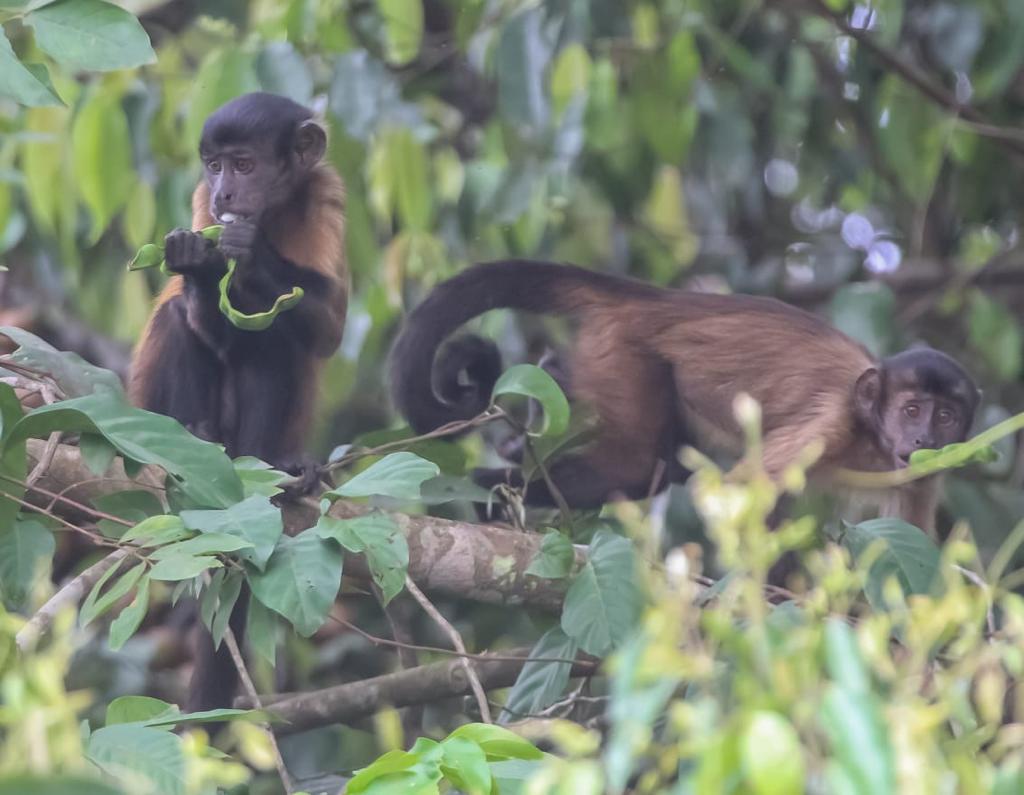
pixel 308 474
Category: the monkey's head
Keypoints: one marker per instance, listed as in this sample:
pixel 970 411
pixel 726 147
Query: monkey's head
pixel 257 151
pixel 920 399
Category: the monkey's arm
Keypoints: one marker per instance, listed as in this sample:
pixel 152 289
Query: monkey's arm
pixel 316 322
pixel 201 266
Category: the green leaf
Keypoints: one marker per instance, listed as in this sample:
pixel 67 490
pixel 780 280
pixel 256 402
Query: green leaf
pixel 102 151
pixel 203 544
pixel 91 35
pixel 134 505
pixel 43 162
pixel 202 470
pixel 379 538
pixel 128 621
pixel 255 519
pixel 262 631
pixel 866 311
pixel 398 475
pixel 75 376
pixel 183 567
pixel 13 456
pixel 570 76
pixel 97 453
pixel 403 29
pixel 912 132
pixel 138 222
pixel 497 743
pixel 856 728
pixel 97 603
pixel 450 488
pixel 207 716
pixel 25 546
pixel 521 60
pixel 603 603
pixel 301 580
pixel 156 530
pixel 226 599
pixel 18 83
pixel 908 554
pixel 258 477
pixel 773 762
pixel 996 334
pixel 541 682
pixel 464 764
pixel 283 70
pixel 409 166
pixel 843 659
pixel 533 382
pixel 554 558
pixel 253 321
pixel 126 750
pixel 365 96
pixel 225 73
pixel 397 772
pixel 54 785
pixel 137 709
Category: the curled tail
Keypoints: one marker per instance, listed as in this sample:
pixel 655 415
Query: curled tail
pixel 430 397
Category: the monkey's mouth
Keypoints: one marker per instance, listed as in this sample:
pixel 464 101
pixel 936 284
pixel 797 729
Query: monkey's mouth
pixel 902 460
pixel 229 218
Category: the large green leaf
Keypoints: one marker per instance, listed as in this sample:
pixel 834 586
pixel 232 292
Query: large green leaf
pixel 403 29
pixel 534 382
pixel 24 546
pixel 75 376
pixel 554 558
pixel 205 474
pixel 364 95
pixel 301 580
pixel 137 709
pixel 255 519
pixel 603 603
pixel 18 83
pixel 908 554
pixel 130 749
pixel 183 567
pixel 55 785
pixel 90 34
pixel 541 682
pixel 497 743
pixel 464 764
pixel 859 738
pixel 103 157
pixel 377 537
pixel 100 601
pixel 398 475
pixel 13 456
pixel 520 63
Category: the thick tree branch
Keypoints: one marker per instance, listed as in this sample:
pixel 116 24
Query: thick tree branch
pixel 482 563
pixel 426 684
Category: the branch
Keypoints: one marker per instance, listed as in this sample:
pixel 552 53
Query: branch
pixel 426 684
pixel 71 595
pixel 483 563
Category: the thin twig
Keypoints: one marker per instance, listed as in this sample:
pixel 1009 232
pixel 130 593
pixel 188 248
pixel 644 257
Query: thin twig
pixel 456 639
pixel 990 619
pixel 250 690
pixel 70 595
pixel 96 513
pixel 43 464
pixel 449 429
pixel 377 640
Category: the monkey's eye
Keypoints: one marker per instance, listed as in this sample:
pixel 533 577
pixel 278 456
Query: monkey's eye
pixel 912 410
pixel 243 166
pixel 945 417
pixel 214 166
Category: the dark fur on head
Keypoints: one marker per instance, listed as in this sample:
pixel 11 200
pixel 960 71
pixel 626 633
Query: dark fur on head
pixel 937 373
pixel 254 116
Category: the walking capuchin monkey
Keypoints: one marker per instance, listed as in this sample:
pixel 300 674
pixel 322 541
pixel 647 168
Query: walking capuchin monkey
pixel 661 368
pixel 264 178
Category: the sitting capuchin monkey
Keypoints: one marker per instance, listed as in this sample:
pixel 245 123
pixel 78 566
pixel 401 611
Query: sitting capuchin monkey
pixel 661 368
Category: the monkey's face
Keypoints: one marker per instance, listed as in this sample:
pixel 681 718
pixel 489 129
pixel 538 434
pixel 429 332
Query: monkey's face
pixel 249 177
pixel 920 420
pixel 920 399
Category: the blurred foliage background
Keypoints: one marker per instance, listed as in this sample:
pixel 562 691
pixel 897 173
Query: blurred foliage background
pixel 860 160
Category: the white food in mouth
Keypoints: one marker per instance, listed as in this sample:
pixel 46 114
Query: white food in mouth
pixel 227 218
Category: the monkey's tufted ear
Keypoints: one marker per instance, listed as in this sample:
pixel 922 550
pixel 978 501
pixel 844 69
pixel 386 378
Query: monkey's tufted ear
pixel 310 142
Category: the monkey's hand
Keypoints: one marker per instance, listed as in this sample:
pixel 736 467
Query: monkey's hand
pixel 237 239
pixel 191 254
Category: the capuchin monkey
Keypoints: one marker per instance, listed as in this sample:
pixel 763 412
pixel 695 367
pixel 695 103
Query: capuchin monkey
pixel 252 391
pixel 661 368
